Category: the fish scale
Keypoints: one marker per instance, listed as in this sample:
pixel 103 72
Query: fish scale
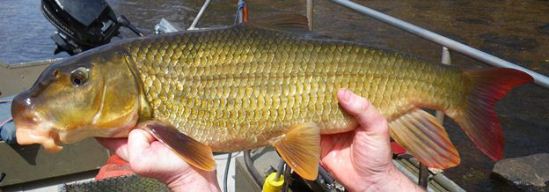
pixel 219 90
pixel 245 86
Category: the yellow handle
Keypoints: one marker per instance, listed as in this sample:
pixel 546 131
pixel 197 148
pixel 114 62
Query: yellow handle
pixel 273 185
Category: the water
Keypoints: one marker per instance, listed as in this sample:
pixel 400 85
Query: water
pixel 515 30
pixel 24 32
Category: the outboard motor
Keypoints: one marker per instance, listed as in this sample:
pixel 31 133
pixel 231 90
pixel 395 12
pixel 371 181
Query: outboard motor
pixel 82 24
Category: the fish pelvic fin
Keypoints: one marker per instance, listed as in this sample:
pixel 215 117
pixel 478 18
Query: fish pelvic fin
pixel 300 148
pixel 193 152
pixel 477 118
pixel 425 138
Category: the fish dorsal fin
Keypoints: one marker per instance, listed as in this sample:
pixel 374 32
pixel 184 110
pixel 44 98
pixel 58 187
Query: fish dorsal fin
pixel 423 136
pixel 300 148
pixel 282 22
pixel 190 150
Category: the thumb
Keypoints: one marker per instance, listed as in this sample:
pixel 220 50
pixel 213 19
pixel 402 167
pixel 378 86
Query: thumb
pixel 369 118
pixel 118 146
pixel 139 142
pixel 371 145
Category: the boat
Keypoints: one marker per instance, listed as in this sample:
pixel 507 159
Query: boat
pixel 30 167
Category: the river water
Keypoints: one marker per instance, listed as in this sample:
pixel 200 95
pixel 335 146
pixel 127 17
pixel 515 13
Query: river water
pixel 514 30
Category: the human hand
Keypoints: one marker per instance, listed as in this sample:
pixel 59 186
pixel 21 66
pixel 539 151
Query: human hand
pixel 151 158
pixel 361 159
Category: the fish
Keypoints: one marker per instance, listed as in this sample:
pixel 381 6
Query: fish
pixel 254 85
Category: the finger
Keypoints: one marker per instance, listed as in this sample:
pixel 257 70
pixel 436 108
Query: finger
pixel 116 146
pixel 138 142
pixel 371 121
pixel 111 143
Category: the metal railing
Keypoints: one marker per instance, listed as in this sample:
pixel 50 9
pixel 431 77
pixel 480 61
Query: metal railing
pixel 199 15
pixel 444 41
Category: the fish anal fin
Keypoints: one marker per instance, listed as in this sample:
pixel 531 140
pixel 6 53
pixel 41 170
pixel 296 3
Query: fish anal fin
pixel 282 22
pixel 422 135
pixel 193 152
pixel 300 148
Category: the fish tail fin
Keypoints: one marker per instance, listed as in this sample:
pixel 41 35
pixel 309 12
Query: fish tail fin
pixel 477 116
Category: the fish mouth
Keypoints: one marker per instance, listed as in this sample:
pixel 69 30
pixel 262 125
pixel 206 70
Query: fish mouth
pixel 30 129
pixel 30 133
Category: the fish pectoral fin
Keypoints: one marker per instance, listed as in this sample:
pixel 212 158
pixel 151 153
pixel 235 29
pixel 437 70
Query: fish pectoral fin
pixel 422 135
pixel 283 22
pixel 300 148
pixel 193 152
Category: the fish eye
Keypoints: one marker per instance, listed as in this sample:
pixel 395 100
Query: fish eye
pixel 79 76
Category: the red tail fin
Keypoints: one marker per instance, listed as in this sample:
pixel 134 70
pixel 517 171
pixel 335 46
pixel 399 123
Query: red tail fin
pixel 478 118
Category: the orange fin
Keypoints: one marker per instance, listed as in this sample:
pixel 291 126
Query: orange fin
pixel 300 148
pixel 190 150
pixel 423 136
pixel 478 118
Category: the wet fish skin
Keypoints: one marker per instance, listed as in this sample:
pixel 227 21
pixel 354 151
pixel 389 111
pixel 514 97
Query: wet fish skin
pixel 243 87
pixel 237 88
pixel 55 110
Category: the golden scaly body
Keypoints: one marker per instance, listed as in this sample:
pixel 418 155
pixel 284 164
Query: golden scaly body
pixel 239 87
